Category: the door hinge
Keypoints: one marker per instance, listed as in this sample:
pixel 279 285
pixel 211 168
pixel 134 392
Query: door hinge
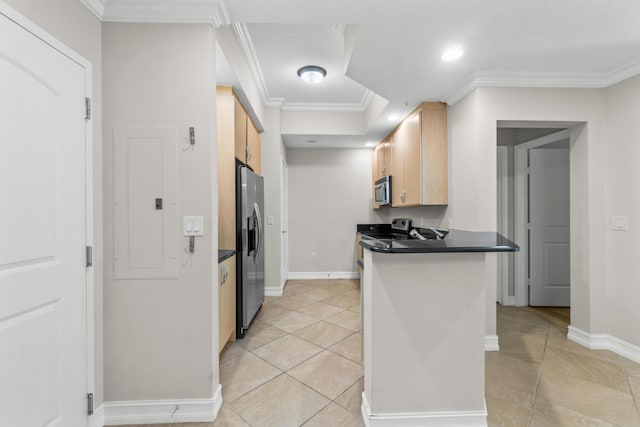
pixel 87 108
pixel 90 404
pixel 89 256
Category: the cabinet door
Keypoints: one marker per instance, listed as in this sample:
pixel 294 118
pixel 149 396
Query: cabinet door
pixel 435 164
pixel 411 153
pixel 226 170
pixel 226 301
pixel 374 176
pixel 375 165
pixel 387 170
pixel 240 121
pixel 254 159
pixel 397 165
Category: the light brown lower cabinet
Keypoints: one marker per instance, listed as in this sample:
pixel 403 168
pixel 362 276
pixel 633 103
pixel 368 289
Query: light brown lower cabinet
pixel 227 301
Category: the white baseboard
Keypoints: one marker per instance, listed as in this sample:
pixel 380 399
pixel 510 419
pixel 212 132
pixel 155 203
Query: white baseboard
pixel 604 342
pixel 97 419
pixel 424 419
pixel 163 411
pixel 313 275
pixel 491 343
pixel 273 292
pixel 509 301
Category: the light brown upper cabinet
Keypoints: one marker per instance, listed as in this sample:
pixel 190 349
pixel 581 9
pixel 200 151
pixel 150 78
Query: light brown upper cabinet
pixel 225 104
pixel 405 183
pixel 381 165
pixel 247 138
pixel 240 122
pixel 382 159
pixel 418 154
pixel 375 163
pixel 254 159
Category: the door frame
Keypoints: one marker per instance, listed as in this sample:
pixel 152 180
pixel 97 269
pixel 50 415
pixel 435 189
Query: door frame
pixel 502 284
pixel 521 209
pixel 284 226
pixel 47 38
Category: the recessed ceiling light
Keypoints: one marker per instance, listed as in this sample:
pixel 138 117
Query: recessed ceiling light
pixel 393 117
pixel 312 74
pixel 452 53
pixel 370 144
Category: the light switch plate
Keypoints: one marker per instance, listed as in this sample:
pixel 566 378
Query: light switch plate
pixel 270 220
pixel 619 223
pixel 193 225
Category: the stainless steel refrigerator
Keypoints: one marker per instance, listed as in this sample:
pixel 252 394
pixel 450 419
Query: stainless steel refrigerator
pixel 250 245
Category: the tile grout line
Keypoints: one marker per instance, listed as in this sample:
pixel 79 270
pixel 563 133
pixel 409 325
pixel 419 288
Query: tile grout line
pixel 308 386
pixel 636 400
pixel 535 390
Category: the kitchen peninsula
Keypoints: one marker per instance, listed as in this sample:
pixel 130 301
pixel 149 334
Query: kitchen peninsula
pixel 423 324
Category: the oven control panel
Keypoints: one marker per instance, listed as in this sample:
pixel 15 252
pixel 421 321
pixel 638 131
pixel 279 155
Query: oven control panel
pixel 401 224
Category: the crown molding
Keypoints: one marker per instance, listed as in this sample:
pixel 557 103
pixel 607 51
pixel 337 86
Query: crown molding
pixel 542 80
pixel 340 28
pixel 331 106
pixel 95 6
pixel 623 73
pixel 249 53
pixel 213 12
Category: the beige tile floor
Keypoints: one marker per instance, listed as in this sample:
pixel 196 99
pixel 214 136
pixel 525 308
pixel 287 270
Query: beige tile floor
pixel 300 365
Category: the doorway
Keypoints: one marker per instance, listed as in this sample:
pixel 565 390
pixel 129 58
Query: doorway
pixel 541 218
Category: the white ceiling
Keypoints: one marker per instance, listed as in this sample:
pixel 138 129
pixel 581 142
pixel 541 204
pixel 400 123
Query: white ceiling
pixel 281 49
pixel 393 47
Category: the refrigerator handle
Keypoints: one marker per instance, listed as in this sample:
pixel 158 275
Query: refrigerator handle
pixel 251 235
pixel 259 230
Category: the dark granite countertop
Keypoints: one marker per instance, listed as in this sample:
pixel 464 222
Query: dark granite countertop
pixel 454 241
pixel 224 254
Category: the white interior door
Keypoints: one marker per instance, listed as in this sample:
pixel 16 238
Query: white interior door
pixel 43 363
pixel 549 268
pixel 284 184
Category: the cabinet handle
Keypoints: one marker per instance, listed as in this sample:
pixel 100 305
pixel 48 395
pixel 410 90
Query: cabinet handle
pixel 248 154
pixel 225 275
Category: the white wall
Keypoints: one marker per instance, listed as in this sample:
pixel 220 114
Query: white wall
pixel 322 123
pixel 161 335
pixel 272 152
pixel 75 26
pixel 622 289
pixel 329 193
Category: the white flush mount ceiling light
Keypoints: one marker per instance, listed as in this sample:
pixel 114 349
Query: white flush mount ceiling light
pixel 312 74
pixel 370 144
pixel 452 53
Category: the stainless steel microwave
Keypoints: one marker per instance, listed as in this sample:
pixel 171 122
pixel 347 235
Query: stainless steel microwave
pixel 382 191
